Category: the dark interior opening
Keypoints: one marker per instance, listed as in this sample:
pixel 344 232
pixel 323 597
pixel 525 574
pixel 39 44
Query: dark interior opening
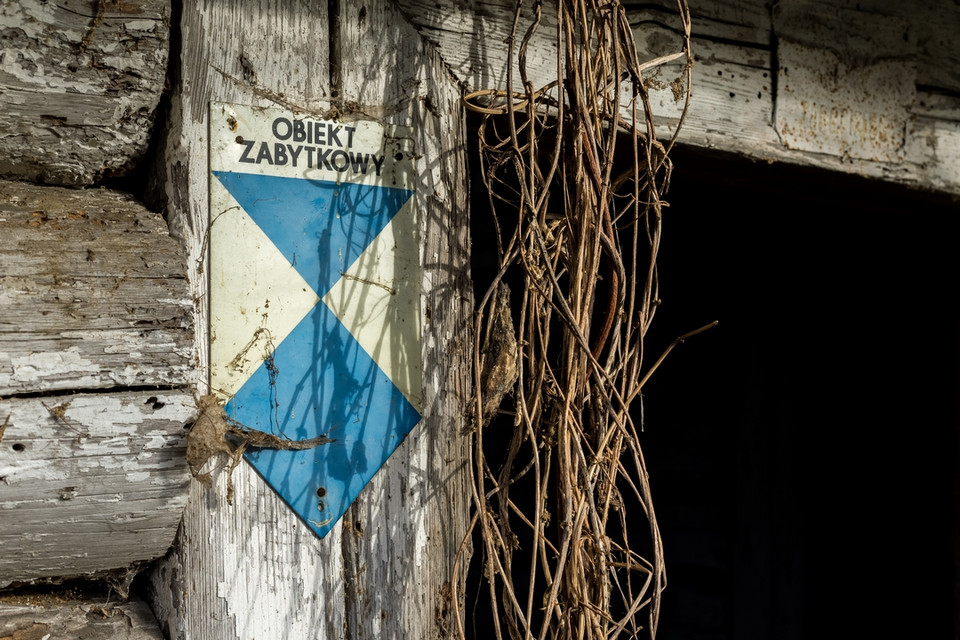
pixel 803 454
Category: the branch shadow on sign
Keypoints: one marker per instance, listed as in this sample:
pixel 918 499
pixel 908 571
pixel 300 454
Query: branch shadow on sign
pixel 320 381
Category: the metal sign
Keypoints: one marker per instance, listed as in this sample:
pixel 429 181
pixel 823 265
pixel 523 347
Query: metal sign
pixel 314 296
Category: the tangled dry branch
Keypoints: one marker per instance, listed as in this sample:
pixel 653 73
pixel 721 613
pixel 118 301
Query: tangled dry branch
pixel 576 176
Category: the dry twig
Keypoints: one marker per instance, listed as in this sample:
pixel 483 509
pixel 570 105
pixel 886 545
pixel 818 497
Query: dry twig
pixel 582 236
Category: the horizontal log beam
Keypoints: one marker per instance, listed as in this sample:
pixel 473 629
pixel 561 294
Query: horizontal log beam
pixel 873 91
pixel 79 85
pixel 93 299
pixel 26 618
pixel 90 482
pixel 93 293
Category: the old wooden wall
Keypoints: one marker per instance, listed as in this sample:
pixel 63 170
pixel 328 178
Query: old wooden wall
pixel 870 88
pixel 80 83
pixel 252 569
pixel 39 617
pixel 96 334
pixel 95 354
pixel 96 337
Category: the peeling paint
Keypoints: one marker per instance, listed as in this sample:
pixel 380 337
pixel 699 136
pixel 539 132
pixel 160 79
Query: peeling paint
pixel 128 476
pixel 35 366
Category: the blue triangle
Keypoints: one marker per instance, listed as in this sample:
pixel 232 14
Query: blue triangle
pixel 320 227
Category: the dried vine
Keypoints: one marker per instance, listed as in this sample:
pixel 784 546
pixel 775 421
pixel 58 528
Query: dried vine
pixel 576 178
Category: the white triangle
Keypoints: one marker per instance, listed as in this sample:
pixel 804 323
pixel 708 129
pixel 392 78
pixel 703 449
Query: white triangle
pixel 256 296
pixel 378 301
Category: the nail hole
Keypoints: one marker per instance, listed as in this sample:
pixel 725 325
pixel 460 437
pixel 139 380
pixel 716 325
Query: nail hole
pixel 19 447
pixel 398 157
pixel 322 491
pixel 239 139
pixel 321 506
pixel 151 400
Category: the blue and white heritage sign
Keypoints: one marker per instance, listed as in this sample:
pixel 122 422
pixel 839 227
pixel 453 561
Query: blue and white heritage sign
pixel 314 296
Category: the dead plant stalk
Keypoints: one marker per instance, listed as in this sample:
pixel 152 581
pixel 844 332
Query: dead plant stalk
pixel 578 224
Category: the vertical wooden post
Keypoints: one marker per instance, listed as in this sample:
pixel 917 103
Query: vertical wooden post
pixel 253 570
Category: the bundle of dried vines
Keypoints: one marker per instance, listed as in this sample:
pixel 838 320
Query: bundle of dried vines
pixel 575 175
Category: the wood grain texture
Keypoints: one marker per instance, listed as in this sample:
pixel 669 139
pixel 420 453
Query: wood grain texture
pixel 253 570
pixel 90 620
pixel 881 54
pixel 92 293
pixel 90 482
pixel 80 81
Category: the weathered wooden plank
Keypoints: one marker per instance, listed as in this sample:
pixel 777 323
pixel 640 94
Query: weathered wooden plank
pixel 732 95
pixel 933 135
pixel 472 35
pixel 742 21
pixel 253 570
pixel 869 63
pixel 825 105
pixel 835 94
pixel 923 31
pixel 90 482
pixel 39 618
pixel 80 81
pixel 92 293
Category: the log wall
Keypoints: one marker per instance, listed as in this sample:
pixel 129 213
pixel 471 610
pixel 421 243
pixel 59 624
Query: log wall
pixel 80 81
pixel 96 344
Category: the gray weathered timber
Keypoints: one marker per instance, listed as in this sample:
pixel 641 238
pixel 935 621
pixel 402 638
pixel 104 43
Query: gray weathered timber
pixel 90 482
pixel 92 293
pixel 80 81
pixel 252 569
pixel 847 86
pixel 98 620
pixel 93 297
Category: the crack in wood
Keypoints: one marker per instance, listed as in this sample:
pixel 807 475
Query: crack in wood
pixel 55 393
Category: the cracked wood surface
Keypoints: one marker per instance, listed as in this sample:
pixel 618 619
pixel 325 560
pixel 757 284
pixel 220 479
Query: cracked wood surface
pixel 92 293
pixel 80 81
pixel 252 569
pixel 90 620
pixel 869 88
pixel 93 306
pixel 90 482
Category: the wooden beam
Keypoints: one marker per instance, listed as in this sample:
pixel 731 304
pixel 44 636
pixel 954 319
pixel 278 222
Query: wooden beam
pixel 79 84
pixel 95 354
pixel 93 293
pixel 253 569
pixel 848 90
pixel 90 482
pixel 35 618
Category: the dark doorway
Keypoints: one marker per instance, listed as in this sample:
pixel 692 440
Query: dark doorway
pixel 803 454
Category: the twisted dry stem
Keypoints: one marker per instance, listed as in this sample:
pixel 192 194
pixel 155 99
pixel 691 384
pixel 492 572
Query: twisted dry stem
pixel 575 176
